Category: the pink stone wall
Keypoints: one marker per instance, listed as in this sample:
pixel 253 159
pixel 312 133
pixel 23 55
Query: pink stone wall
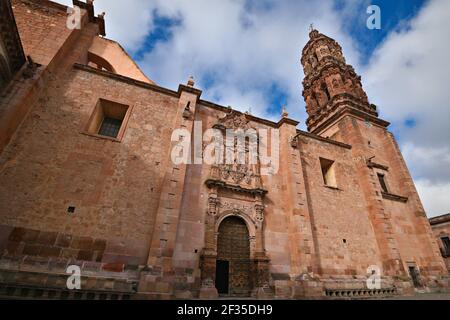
pixel 118 58
pixel 114 186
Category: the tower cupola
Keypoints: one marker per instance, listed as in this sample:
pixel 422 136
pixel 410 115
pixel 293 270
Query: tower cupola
pixel 331 86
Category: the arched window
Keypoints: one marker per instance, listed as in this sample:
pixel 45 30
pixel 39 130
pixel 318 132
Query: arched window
pixel 100 62
pixel 325 90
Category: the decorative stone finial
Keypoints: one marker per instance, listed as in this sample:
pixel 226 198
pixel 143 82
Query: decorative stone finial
pixel 312 31
pixel 284 113
pixel 191 81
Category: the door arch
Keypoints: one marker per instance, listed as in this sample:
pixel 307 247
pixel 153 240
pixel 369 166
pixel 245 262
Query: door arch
pixel 233 265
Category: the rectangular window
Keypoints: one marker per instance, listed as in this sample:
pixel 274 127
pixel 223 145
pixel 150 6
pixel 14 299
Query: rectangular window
pixel 328 174
pixel 110 127
pixel 446 243
pixel 108 119
pixel 382 182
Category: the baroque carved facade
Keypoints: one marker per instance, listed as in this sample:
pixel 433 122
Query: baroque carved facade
pixel 87 179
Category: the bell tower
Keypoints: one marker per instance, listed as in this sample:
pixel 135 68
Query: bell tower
pixel 331 86
pixel 338 109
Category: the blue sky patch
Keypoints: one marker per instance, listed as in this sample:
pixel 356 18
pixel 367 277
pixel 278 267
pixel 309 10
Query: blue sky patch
pixel 162 32
pixel 394 15
pixel 410 122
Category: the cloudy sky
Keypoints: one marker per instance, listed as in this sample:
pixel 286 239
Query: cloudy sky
pixel 245 53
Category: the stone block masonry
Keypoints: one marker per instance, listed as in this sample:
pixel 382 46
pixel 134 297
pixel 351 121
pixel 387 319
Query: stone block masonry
pixel 140 226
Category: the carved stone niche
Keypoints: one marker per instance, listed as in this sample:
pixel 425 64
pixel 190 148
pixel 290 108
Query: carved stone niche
pixel 237 171
pixel 235 190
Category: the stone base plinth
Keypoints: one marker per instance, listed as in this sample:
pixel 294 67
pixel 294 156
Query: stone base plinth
pixel 264 292
pixel 308 289
pixel 208 293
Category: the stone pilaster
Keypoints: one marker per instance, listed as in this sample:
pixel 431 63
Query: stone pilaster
pixel 300 228
pixel 157 279
pixel 209 255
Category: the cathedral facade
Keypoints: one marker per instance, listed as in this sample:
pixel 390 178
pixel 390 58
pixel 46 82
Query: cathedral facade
pixel 88 180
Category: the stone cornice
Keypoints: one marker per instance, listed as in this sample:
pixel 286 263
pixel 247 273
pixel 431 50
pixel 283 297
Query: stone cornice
pixel 189 89
pixel 201 102
pixel 440 219
pixel 221 184
pixel 345 109
pixel 317 137
pixel 157 88
pixel 288 121
pixel 125 79
pixel 394 197
pixel 248 116
pixel 339 100
pixel 372 164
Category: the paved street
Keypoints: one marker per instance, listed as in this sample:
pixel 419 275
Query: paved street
pixel 424 296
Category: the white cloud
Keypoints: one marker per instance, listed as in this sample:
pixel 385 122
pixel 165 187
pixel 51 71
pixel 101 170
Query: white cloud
pixel 408 73
pixel 408 77
pixel 430 162
pixel 434 196
pixel 127 22
pixel 246 49
pixel 247 45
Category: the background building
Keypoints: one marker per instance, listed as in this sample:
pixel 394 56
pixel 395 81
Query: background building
pixel 441 230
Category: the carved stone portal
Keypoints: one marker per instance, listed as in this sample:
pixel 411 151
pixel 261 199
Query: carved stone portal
pixel 236 200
